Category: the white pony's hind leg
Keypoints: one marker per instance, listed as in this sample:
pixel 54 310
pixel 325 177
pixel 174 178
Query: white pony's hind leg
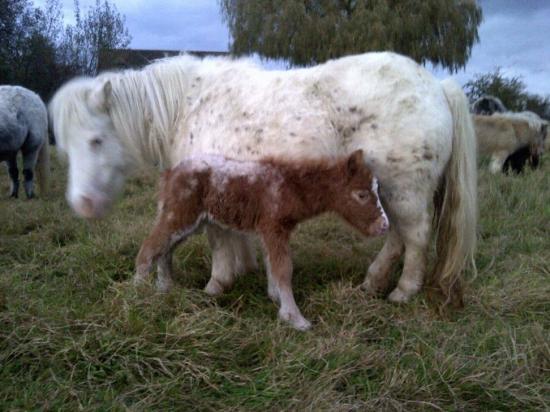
pixel 414 229
pixel 379 270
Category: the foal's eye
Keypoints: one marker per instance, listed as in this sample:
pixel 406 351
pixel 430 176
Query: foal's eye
pixel 362 196
pixel 95 142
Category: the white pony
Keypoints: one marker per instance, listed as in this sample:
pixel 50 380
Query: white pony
pixel 415 131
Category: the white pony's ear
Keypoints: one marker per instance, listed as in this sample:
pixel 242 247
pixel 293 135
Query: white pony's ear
pixel 100 96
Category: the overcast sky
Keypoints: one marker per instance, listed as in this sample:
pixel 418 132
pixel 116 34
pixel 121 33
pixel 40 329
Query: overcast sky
pixel 514 35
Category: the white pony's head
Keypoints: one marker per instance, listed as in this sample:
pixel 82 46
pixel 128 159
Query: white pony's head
pixel 84 130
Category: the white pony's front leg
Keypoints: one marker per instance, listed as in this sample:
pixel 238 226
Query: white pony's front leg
pixel 164 273
pixel 245 254
pixel 223 259
pixel 232 254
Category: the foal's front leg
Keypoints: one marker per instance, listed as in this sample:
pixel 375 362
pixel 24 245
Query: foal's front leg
pixel 280 271
pixel 157 248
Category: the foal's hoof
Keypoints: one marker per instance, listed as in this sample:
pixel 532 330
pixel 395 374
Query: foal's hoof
pixel 213 288
pixel 298 322
pixel 138 281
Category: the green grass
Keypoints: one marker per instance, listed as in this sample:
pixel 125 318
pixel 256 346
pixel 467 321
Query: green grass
pixel 75 335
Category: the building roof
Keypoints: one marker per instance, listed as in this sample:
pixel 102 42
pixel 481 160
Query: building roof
pixel 113 59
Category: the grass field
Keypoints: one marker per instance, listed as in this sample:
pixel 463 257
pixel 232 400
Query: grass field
pixel 75 335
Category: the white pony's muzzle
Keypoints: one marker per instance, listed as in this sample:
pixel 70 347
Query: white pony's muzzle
pixel 90 206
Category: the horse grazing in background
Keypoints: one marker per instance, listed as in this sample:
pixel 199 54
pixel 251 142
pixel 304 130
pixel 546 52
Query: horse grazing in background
pixel 269 198
pixel 416 133
pixel 487 105
pixel 516 161
pixel 24 127
pixel 501 135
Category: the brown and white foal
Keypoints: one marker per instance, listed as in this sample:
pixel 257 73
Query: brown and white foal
pixel 269 198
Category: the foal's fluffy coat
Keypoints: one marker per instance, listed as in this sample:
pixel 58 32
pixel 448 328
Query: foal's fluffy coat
pixel 268 198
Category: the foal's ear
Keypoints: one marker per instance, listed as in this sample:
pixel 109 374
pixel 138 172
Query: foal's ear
pixel 100 96
pixel 355 162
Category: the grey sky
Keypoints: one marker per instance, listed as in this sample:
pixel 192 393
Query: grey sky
pixel 514 34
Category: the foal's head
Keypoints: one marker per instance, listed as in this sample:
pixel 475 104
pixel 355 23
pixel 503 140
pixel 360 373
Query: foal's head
pixel 356 198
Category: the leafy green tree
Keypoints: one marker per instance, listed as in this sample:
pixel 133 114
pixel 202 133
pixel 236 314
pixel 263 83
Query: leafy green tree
pixel 510 90
pixel 39 52
pixel 311 31
pixel 102 27
pixel 12 33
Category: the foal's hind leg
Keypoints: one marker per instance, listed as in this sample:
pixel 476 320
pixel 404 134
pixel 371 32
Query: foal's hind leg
pixel 14 175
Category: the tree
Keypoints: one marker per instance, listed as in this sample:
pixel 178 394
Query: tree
pixel 510 90
pixel 39 52
pixel 12 32
pixel 103 27
pixel 312 31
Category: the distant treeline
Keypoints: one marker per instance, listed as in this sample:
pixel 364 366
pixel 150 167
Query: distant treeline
pixel 39 51
pixel 510 90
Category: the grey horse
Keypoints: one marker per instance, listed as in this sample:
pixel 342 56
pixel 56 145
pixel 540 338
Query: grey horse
pixel 24 127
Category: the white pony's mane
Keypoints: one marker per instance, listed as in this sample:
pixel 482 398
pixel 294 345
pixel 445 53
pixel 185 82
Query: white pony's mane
pixel 145 105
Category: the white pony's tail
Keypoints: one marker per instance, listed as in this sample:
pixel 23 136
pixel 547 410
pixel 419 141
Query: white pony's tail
pixel 43 167
pixel 456 201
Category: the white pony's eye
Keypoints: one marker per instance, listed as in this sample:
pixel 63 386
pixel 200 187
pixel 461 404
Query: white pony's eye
pixel 95 142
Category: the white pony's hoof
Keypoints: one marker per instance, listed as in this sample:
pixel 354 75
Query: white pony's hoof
pixel 138 281
pixel 298 322
pixel 398 296
pixel 213 288
pixel 370 287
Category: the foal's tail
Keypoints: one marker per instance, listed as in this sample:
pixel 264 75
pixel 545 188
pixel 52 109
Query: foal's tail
pixel 43 167
pixel 456 201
